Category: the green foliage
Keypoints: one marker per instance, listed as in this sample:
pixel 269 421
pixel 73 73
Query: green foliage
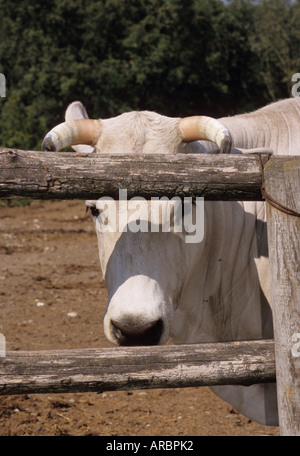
pixel 21 127
pixel 178 58
pixel 276 41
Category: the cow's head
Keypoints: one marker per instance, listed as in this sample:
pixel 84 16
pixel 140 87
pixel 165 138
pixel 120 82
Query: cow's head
pixel 144 270
pixel 138 132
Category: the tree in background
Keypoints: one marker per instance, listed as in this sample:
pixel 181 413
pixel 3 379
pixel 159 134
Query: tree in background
pixel 177 58
pixel 276 43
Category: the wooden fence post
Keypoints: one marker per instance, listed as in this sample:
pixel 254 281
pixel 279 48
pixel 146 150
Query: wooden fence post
pixel 282 183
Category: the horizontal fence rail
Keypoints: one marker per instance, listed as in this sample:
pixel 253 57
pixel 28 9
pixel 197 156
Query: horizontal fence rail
pixel 60 175
pixel 130 368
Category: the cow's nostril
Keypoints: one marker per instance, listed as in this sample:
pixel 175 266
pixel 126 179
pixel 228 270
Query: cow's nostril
pixel 149 334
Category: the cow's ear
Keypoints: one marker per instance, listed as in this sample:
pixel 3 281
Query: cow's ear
pixel 91 205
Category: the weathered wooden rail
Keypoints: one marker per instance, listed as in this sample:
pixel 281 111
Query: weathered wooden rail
pixel 65 175
pixel 214 177
pixel 109 369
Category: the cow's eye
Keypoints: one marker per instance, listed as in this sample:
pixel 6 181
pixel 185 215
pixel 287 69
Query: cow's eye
pixel 94 211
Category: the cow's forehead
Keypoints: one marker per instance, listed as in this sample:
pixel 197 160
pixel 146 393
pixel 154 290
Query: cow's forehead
pixel 139 132
pixel 142 116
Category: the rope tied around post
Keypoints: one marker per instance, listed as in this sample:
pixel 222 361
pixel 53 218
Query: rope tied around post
pixel 276 204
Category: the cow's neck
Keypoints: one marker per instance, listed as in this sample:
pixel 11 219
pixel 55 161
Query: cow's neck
pixel 222 292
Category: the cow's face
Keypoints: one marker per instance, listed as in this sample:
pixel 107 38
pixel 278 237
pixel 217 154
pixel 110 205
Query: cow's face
pixel 144 270
pixel 144 273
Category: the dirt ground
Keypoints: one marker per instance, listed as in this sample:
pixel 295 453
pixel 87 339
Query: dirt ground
pixel 52 296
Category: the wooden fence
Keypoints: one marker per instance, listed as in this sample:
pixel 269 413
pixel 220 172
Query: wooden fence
pixel 216 177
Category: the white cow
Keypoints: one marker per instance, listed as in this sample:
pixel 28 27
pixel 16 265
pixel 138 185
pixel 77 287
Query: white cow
pixel 158 284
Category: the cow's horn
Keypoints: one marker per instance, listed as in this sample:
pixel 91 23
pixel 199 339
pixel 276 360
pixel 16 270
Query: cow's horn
pixel 83 131
pixel 206 128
